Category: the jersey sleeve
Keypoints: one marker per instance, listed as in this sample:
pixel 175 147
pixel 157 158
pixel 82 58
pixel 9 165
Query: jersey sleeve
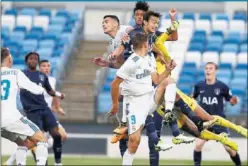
pixel 227 93
pixel 196 91
pixel 47 84
pixel 24 83
pixel 126 69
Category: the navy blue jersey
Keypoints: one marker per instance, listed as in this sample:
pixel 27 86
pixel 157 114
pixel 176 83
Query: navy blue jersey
pixel 212 97
pixel 151 39
pixel 31 101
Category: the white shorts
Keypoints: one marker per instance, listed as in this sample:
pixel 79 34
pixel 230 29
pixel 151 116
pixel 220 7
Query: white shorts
pixel 19 129
pixel 137 108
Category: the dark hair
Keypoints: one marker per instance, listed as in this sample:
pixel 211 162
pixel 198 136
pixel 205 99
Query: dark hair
pixel 4 54
pixel 150 13
pixel 43 61
pixel 139 39
pixel 141 6
pixel 212 63
pixel 32 53
pixel 113 17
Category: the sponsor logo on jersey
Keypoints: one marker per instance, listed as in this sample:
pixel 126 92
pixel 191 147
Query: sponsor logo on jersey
pixel 209 100
pixel 41 77
pixel 217 91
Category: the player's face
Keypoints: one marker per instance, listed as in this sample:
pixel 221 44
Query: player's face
pixel 210 71
pixel 32 61
pixel 152 24
pixel 45 67
pixel 138 16
pixel 108 25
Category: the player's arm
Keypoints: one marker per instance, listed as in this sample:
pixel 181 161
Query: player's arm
pixel 196 91
pixel 56 103
pixel 51 91
pixel 23 82
pixel 233 100
pixel 157 78
pixel 174 35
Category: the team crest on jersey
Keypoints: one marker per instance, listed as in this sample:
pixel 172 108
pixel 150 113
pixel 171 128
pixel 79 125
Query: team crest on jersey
pixel 41 77
pixel 217 91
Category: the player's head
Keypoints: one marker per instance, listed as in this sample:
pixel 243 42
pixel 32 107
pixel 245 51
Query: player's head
pixel 110 23
pixel 140 9
pixel 6 58
pixel 140 42
pixel 211 70
pixel 45 67
pixel 32 59
pixel 151 21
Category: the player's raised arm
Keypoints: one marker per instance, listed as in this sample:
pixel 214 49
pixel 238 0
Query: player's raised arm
pixel 174 34
pixel 24 83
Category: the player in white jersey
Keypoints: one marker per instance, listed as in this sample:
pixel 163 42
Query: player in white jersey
pixel 14 126
pixel 136 76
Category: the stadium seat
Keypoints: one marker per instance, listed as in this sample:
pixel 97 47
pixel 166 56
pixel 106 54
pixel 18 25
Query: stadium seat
pixel 237 25
pixel 189 16
pixel 240 73
pixel 221 25
pixel 58 20
pixel 37 29
pixel 238 92
pixel 230 48
pixel 239 82
pixel 205 16
pixel 24 20
pixel 224 73
pixel 198 38
pixel 193 57
pixel 185 89
pixel 203 25
pixel 11 11
pixel 222 16
pixel 244 39
pixel 45 52
pixel 49 36
pixel 17 36
pixel 8 21
pixel 215 40
pixel 20 29
pixel 46 44
pixel 196 47
pixel 63 13
pixel 225 66
pixel 224 79
pixel 34 35
pixel 28 11
pixel 234 110
pixel 187 79
pixel 19 61
pixel 217 33
pixel 5 30
pixel 233 38
pixel 243 48
pixel 45 12
pixel 210 56
pixel 241 66
pixel 214 47
pixel 57 53
pixel 242 57
pixel 41 21
pixel 228 57
pixel 31 43
pixel 104 102
pixel 240 16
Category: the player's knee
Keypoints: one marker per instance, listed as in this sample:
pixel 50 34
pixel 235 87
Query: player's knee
pixel 63 136
pixel 199 144
pixel 39 137
pixel 134 141
pixel 230 151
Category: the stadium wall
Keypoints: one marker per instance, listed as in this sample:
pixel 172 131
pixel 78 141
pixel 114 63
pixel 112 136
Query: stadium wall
pixel 95 145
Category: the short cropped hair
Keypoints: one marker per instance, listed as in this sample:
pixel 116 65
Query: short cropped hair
pixel 4 54
pixel 212 63
pixel 139 39
pixel 32 53
pixel 114 17
pixel 149 14
pixel 43 61
pixel 140 5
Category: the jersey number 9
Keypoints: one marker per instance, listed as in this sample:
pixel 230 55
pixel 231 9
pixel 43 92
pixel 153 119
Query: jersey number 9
pixel 5 86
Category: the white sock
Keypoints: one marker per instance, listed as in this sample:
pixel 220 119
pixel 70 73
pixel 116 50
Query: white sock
pixel 21 155
pixel 127 158
pixel 170 96
pixel 124 116
pixel 41 153
pixel 11 159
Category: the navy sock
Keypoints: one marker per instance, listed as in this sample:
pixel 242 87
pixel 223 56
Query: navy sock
pixel 123 146
pixel 57 148
pixel 174 128
pixel 197 158
pixel 151 130
pixel 236 159
pixel 154 155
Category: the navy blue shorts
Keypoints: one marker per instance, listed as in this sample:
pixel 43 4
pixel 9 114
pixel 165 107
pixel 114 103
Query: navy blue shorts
pixel 44 119
pixel 219 129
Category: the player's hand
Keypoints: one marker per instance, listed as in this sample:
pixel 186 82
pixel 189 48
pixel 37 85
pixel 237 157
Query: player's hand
pixel 125 38
pixel 59 110
pixel 234 100
pixel 114 110
pixel 62 96
pixel 171 65
pixel 101 62
pixel 112 57
pixel 129 29
pixel 172 14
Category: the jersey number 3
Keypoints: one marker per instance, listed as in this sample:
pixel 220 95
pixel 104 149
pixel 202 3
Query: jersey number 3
pixel 5 86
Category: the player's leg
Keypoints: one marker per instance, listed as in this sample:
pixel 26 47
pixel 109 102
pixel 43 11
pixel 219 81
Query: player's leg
pixel 51 125
pixel 233 155
pixel 199 143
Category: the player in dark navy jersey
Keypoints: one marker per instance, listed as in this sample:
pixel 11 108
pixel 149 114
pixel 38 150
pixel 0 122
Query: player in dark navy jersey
pixel 212 94
pixel 36 107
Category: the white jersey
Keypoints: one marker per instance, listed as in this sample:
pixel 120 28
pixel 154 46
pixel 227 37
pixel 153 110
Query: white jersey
pixel 11 81
pixel 49 98
pixel 136 72
pixel 116 41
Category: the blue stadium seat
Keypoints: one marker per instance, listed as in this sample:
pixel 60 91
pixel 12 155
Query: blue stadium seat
pixel 67 29
pixel 240 73
pixel 17 36
pixel 196 47
pixel 189 65
pixel 189 16
pixel 233 39
pixel 214 47
pixel 14 51
pixel 45 12
pixel 19 61
pixel 238 91
pixel 240 16
pixel 28 11
pixel 205 16
pixel 225 66
pixel 217 33
pixel 37 29
pixel 57 53
pixel 224 72
pixel 34 35
pixel 240 82
pixel 186 79
pixel 30 44
pixel 11 43
pixel 61 43
pixel 244 40
pixel 200 33
pixel 241 67
pixel 243 48
pixel 20 29
pixel 45 52
pixel 55 28
pixel 63 13
pixel 66 36
pixel 222 16
pixel 185 88
pixel 224 79
pixel 4 37
pixel 200 78
pixel 5 30
pixel 198 39
pixel 49 36
pixel 58 20
pixel 107 86
pixel 215 40
pixel 104 102
pixel 11 11
pixel 234 110
pixel 230 48
pixel 47 44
